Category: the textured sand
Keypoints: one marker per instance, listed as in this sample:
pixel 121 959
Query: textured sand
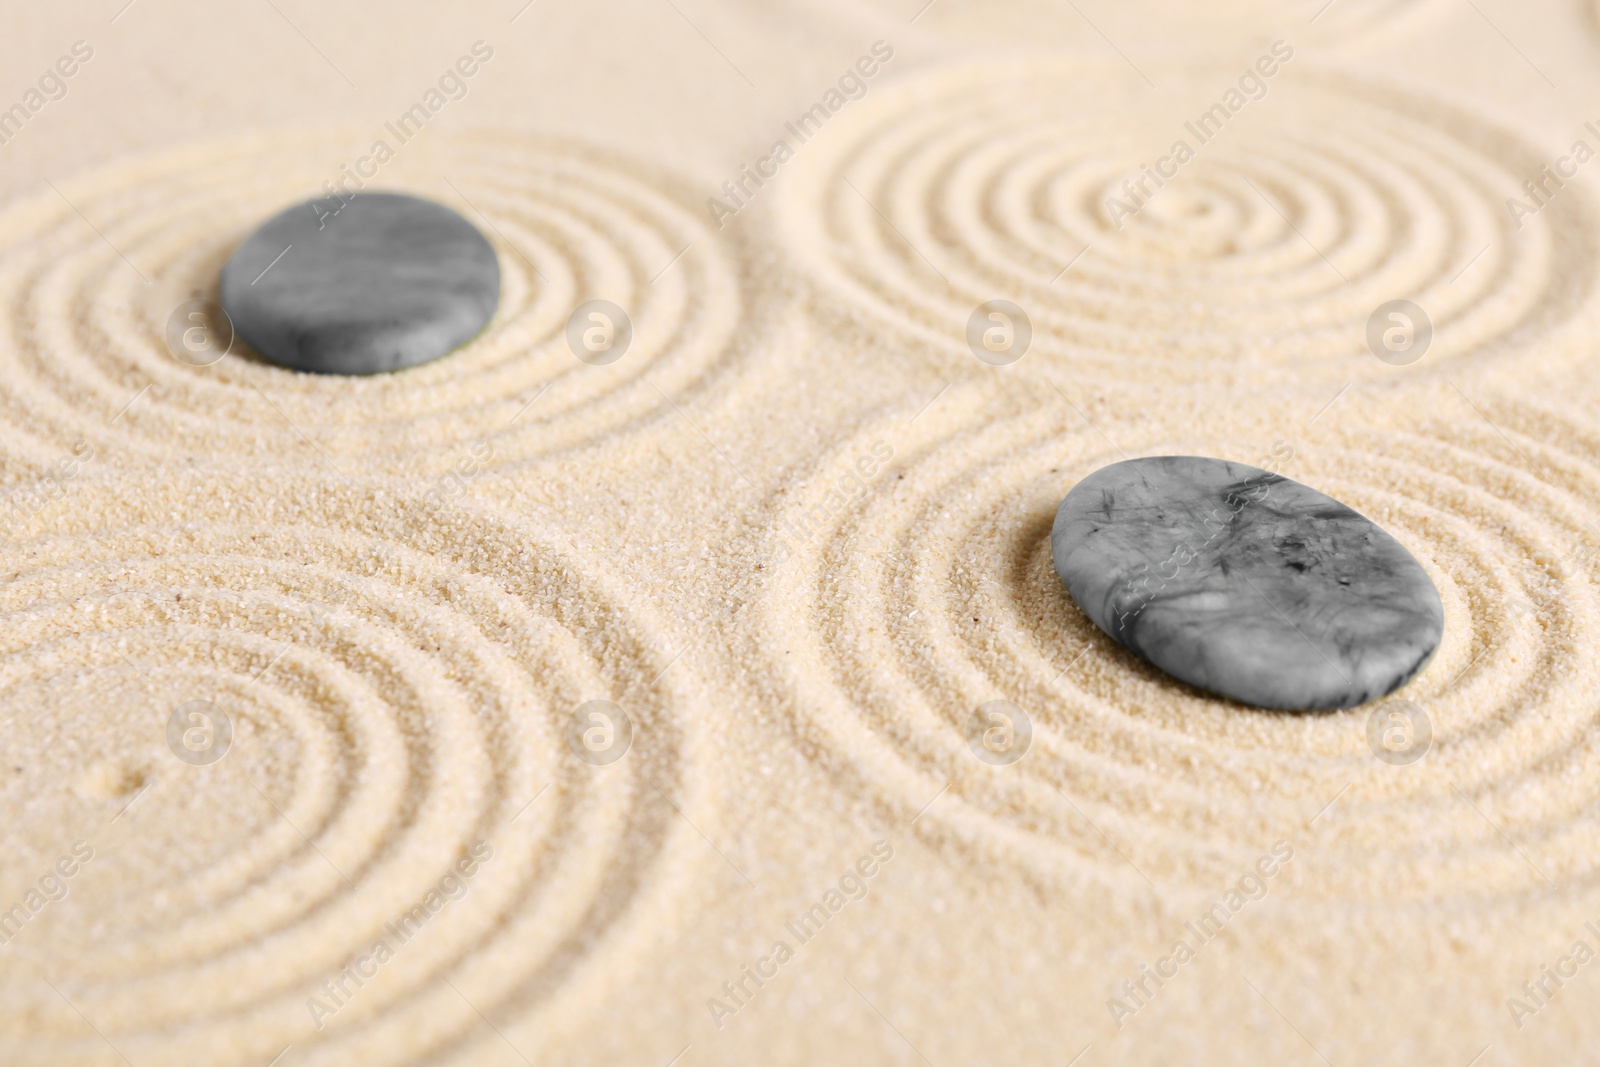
pixel 798 533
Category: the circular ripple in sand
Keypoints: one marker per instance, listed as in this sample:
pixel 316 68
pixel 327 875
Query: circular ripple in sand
pixel 83 334
pixel 906 606
pixel 1261 261
pixel 400 685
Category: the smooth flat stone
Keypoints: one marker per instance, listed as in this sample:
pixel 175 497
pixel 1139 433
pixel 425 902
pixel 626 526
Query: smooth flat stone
pixel 1245 583
pixel 388 282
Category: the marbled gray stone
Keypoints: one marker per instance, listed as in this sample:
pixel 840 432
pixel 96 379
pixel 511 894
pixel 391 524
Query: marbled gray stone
pixel 1245 583
pixel 386 282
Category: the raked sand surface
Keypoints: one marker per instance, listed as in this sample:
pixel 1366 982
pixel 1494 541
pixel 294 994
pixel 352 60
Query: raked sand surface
pixel 798 533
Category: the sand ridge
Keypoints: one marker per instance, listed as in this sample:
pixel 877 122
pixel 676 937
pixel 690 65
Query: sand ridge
pixel 570 223
pixel 399 698
pixel 1277 231
pixel 928 595
pixel 800 535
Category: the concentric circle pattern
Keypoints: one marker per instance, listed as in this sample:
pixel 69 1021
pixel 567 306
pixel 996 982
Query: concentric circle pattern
pixel 900 608
pixel 399 684
pixel 1277 230
pixel 95 268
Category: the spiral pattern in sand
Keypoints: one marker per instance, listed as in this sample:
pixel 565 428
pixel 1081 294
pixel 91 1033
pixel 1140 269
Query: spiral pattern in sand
pixel 400 683
pixel 1258 261
pixel 95 268
pixel 901 608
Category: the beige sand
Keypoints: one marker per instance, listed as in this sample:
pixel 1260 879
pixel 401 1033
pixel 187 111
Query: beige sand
pixel 798 533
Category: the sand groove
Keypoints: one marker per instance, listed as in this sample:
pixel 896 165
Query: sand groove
pixel 400 669
pixel 933 593
pixel 1259 263
pixel 83 333
pixel 400 683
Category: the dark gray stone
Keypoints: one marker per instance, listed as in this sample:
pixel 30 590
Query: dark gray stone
pixel 386 282
pixel 1245 583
